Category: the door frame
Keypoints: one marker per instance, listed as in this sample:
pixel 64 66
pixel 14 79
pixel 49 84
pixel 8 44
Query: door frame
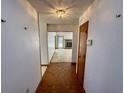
pixel 85 29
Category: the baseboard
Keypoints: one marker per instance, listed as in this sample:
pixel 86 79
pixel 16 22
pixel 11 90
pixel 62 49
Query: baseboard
pixel 44 64
pixel 73 62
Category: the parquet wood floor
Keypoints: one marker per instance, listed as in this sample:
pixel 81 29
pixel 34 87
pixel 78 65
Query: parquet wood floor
pixel 60 78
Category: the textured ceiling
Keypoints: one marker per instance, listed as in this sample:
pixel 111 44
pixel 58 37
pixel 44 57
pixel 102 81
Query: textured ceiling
pixel 73 8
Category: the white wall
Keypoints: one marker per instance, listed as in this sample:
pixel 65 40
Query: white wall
pixel 103 71
pixel 43 40
pixel 51 44
pixel 68 35
pixel 61 27
pixel 75 46
pixel 66 28
pixel 20 48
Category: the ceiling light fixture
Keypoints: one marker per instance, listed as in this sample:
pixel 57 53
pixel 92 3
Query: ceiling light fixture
pixel 60 13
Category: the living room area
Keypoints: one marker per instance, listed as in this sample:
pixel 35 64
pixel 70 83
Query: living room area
pixel 60 46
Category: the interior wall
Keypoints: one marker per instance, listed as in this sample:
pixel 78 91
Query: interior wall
pixel 51 44
pixel 43 40
pixel 104 61
pixel 68 35
pixel 66 28
pixel 61 27
pixel 20 63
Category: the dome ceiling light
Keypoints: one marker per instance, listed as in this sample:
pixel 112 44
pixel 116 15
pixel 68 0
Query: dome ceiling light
pixel 60 13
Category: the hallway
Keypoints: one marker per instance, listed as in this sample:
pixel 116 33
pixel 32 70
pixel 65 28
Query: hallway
pixel 60 78
pixel 27 47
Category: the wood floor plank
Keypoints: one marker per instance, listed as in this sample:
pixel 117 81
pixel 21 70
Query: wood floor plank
pixel 60 78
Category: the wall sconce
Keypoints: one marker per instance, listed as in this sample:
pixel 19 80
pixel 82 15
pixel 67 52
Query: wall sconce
pixel 25 28
pixel 118 15
pixel 3 20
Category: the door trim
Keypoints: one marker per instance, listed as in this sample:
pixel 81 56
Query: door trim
pixel 82 28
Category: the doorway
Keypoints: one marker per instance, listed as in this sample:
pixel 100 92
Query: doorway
pixel 61 51
pixel 82 52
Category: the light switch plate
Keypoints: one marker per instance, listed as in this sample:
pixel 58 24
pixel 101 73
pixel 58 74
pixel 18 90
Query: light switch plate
pixel 89 42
